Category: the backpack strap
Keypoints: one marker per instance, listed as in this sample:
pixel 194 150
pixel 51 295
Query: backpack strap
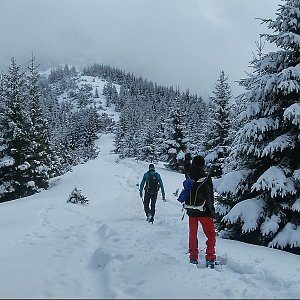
pixel 201 180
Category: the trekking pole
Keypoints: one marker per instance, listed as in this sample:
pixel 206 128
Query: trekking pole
pixel 183 212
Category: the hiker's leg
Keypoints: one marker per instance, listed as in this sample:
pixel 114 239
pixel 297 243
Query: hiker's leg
pixel 209 230
pixel 153 203
pixel 146 203
pixel 193 240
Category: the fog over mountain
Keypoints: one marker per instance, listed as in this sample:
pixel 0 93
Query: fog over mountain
pixel 182 43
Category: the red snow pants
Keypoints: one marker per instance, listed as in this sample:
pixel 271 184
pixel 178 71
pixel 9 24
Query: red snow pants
pixel 209 230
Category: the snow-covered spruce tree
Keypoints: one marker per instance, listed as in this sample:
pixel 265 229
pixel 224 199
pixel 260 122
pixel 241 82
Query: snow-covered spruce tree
pixel 174 145
pixel 40 159
pixel 263 204
pixel 91 124
pixel 148 149
pixel 76 197
pixel 131 120
pixel 120 142
pixel 122 98
pixel 196 126
pixel 111 94
pixel 16 147
pixel 217 143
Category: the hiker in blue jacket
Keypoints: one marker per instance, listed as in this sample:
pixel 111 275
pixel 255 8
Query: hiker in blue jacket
pixel 152 182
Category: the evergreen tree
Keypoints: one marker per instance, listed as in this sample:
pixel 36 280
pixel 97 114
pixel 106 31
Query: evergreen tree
pixel 111 94
pixel 264 205
pixel 197 126
pixel 40 159
pixel 148 149
pixel 15 148
pixel 120 141
pixel 174 133
pixel 76 197
pixel 218 135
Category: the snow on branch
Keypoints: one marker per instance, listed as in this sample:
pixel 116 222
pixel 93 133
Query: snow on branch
pixel 292 113
pixel 269 83
pixel 280 143
pixel 211 156
pixel 254 127
pixel 289 86
pixel 296 205
pixel 222 209
pixel 276 182
pixel 251 110
pixel 229 182
pixel 269 62
pixel 248 211
pixel 296 174
pixel 6 161
pixel 288 236
pixel 270 225
pixel 289 37
pixel 290 73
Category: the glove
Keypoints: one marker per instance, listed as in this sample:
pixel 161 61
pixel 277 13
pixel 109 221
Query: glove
pixel 164 198
pixel 141 194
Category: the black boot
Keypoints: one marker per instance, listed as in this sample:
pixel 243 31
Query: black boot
pixel 210 263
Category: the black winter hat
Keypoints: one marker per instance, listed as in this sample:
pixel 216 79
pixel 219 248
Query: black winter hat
pixel 198 161
pixel 151 167
pixel 197 167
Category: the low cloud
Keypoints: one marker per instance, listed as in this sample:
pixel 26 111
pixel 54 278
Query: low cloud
pixel 181 43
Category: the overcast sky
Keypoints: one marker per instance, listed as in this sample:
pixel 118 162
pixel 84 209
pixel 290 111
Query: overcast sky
pixel 183 43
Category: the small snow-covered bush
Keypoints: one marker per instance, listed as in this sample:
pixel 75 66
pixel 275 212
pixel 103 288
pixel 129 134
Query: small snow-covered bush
pixel 76 197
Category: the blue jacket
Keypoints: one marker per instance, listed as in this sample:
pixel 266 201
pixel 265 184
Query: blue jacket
pixel 145 177
pixel 187 185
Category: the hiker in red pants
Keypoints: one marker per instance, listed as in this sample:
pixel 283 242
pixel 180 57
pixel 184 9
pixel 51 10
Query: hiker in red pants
pixel 198 201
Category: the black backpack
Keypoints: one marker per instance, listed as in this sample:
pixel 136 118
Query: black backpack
pixel 198 195
pixel 152 184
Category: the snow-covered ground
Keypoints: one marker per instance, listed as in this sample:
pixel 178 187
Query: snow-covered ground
pixel 54 249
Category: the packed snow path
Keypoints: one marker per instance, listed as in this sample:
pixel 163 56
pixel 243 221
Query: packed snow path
pixel 54 249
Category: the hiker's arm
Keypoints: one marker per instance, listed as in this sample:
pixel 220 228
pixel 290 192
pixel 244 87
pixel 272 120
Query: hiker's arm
pixel 142 184
pixel 210 203
pixel 161 186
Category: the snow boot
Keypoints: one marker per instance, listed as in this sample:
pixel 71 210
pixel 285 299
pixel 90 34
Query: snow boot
pixel 210 264
pixel 149 216
pixel 194 261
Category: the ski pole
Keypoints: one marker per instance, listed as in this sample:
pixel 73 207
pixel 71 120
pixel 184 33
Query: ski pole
pixel 183 213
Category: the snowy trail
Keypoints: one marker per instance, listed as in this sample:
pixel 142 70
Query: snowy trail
pixel 55 249
pixel 162 246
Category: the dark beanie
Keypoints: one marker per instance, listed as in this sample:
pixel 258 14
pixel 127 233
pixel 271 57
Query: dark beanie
pixel 198 161
pixel 151 167
pixel 197 167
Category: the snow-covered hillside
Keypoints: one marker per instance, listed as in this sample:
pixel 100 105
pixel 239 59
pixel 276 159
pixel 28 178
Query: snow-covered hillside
pixel 54 249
